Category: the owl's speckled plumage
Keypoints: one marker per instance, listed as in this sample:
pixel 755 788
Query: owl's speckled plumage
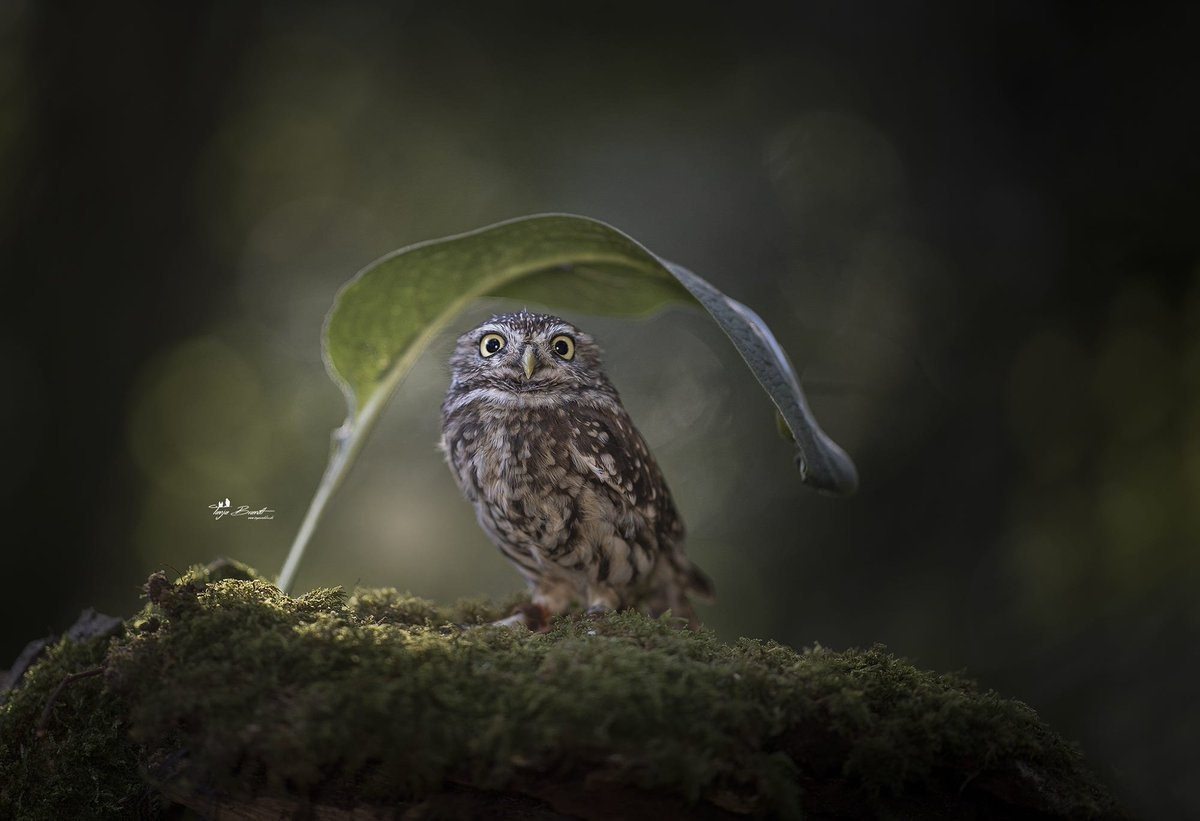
pixel 560 478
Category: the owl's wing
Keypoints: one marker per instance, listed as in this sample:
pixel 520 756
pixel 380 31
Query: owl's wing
pixel 612 452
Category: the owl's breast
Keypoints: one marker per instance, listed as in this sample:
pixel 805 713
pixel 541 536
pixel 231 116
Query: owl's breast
pixel 515 466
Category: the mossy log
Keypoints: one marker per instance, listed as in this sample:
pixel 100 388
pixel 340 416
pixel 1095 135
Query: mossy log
pixel 232 699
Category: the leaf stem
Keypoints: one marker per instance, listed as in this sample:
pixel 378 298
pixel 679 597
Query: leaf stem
pixel 339 462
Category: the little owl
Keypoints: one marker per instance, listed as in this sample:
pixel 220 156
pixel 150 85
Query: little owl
pixel 561 480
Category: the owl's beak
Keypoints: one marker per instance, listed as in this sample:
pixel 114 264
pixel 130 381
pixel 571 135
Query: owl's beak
pixel 528 362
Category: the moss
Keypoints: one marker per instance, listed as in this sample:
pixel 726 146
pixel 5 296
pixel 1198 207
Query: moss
pixel 227 689
pixel 77 763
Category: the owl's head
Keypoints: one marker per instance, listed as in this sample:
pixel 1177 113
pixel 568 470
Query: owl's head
pixel 527 353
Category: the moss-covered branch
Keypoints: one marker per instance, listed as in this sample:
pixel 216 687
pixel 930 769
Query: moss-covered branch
pixel 225 693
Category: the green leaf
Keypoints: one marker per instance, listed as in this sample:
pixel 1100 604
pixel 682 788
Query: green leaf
pixel 386 316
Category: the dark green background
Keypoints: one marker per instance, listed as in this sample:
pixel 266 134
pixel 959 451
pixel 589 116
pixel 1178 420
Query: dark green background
pixel 973 227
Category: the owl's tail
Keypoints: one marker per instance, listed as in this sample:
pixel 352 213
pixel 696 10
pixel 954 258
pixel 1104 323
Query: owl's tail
pixel 697 583
pixel 684 580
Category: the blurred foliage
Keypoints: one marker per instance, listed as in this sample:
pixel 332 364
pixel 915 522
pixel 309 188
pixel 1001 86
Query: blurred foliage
pixel 1108 425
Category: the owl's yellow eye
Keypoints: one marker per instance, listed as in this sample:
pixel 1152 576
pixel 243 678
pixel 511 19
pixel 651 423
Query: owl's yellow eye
pixel 491 344
pixel 563 346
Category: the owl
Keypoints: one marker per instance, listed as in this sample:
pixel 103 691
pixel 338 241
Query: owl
pixel 562 482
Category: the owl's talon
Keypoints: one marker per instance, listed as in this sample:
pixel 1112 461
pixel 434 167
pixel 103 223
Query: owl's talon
pixel 598 611
pixel 533 616
pixel 515 620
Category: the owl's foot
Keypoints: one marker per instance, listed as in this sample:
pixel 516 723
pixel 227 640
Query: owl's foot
pixel 598 611
pixel 602 600
pixel 534 616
